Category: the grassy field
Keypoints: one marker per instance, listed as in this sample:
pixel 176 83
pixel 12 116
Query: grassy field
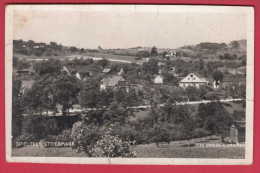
pixel 190 152
pixel 111 56
pixel 149 150
pixel 46 152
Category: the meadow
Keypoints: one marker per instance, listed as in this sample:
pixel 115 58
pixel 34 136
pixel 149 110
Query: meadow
pixel 143 151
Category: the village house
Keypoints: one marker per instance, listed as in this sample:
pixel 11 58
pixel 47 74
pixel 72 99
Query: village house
pixel 26 85
pixel 78 76
pixel 83 73
pixel 121 72
pixel 193 80
pixel 171 53
pixel 25 72
pixel 158 79
pixel 112 82
pixel 160 64
pixel 106 70
pixel 66 70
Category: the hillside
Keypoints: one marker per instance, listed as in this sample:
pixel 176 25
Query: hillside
pixel 235 51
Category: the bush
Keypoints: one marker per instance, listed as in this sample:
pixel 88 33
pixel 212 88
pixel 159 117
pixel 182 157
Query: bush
pixel 27 138
pixel 88 138
pixel 50 138
pixel 112 146
pixel 50 126
pixel 84 136
pixel 160 135
pixel 33 126
pixel 125 132
pixel 200 132
pixel 177 133
pixel 65 136
pixel 39 127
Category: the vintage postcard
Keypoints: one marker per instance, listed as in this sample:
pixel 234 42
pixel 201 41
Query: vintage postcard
pixel 129 84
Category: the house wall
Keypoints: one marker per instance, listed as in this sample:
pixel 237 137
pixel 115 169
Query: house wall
pixel 102 87
pixel 158 80
pixel 191 84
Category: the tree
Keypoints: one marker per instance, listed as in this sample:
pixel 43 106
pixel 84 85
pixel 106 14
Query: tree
pixel 169 78
pixel 160 134
pixel 168 111
pixel 235 44
pixel 84 136
pixel 20 63
pixel 164 53
pixel 73 49
pixel 193 93
pixel 51 90
pixel 143 54
pixel 103 63
pixel 40 97
pixel 151 67
pixel 99 142
pixel 30 43
pixel 154 51
pixel 214 118
pixel 48 67
pixel 116 113
pixel 218 77
pixel 90 94
pixel 66 90
pixel 53 45
pixel 201 65
pixel 16 108
pixel 110 145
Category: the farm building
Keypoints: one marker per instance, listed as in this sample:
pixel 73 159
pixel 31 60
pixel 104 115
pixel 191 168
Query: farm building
pixel 66 70
pixel 83 73
pixel 106 70
pixel 158 79
pixel 26 85
pixel 112 82
pixel 193 80
pixel 25 73
pixel 171 53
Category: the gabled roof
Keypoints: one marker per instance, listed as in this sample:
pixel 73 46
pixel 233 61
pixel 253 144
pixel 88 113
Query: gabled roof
pixel 27 83
pixel 84 71
pixel 193 78
pixel 106 70
pixel 121 71
pixel 158 76
pixel 64 68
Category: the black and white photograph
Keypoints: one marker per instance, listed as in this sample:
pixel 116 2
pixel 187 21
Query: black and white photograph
pixel 129 84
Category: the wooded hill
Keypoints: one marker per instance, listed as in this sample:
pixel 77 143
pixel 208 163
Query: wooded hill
pixel 235 50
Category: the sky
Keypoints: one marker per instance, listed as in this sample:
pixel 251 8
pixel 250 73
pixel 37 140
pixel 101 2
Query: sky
pixel 90 26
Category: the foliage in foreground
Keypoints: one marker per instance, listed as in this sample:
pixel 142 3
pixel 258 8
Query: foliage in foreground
pixel 88 138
